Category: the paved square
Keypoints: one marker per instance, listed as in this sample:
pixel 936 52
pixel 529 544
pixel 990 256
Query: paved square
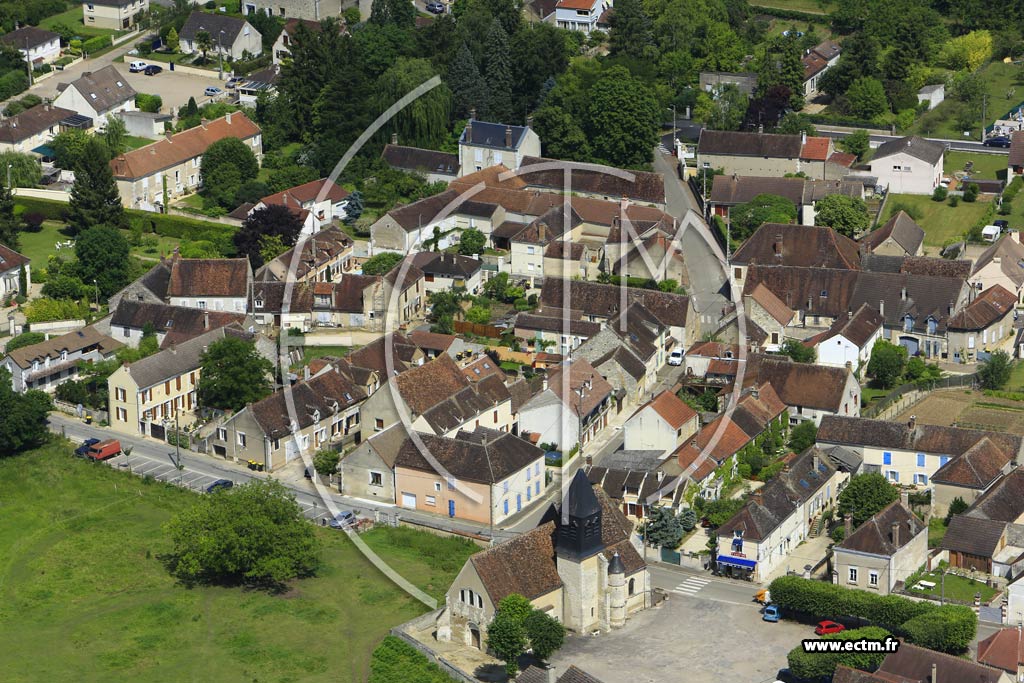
pixel 689 640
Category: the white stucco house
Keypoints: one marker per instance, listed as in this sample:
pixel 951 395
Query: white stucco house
pixel 909 165
pixel 848 342
pixel 661 424
pixel 35 44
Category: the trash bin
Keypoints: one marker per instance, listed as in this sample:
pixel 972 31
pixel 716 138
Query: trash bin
pixel 171 65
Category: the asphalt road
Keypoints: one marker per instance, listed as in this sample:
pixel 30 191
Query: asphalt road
pixel 954 145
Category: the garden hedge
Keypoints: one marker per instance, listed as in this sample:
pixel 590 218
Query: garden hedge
pixel 949 628
pixel 96 44
pixel 815 665
pixel 780 13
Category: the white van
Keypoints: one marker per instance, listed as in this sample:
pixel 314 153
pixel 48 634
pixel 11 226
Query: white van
pixel 136 67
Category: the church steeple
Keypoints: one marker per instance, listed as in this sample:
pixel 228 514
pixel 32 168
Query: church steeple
pixel 579 530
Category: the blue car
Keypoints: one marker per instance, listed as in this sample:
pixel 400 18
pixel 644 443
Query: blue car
pixel 220 484
pixel 83 450
pixel 771 613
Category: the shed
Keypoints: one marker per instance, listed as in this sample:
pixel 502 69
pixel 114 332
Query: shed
pixel 932 94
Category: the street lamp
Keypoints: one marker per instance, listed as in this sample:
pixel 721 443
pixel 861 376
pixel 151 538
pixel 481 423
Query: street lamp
pixel 220 57
pixel 9 167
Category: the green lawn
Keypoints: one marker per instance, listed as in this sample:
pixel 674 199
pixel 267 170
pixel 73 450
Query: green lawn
pixel 942 223
pixel 986 166
pixel 809 6
pixel 153 245
pixel 869 395
pixel 1016 381
pixel 936 532
pixel 73 18
pixel 1000 80
pixel 134 141
pixel 39 245
pixel 85 597
pixel 956 587
pixel 311 352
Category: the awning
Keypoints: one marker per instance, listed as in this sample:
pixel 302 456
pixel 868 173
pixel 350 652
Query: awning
pixel 739 562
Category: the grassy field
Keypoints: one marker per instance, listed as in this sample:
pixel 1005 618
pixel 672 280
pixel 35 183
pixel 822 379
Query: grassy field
pixel 1002 83
pixel 39 245
pixel 941 222
pixel 84 596
pixel 134 141
pixel 73 18
pixel 809 6
pixel 936 532
pixel 986 166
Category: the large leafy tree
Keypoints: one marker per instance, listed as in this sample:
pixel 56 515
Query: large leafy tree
pixel 622 119
pixel 545 633
pixel 24 417
pixel 764 208
pixel 472 241
pixel 631 29
pixel 25 169
pixel 468 88
pixel 270 221
pixel 228 153
pixel 233 375
pixel 316 57
pixel 857 143
pixel 94 196
pixel 253 534
pixel 798 351
pixel 498 76
pixel 381 263
pixel 803 436
pixel 9 223
pixel 994 372
pixel 423 122
pixel 782 69
pixel 866 98
pixel 103 259
pixel 506 634
pixel 887 363
pixel 847 215
pixel 663 529
pixel 401 13
pixel 865 495
pixel 539 53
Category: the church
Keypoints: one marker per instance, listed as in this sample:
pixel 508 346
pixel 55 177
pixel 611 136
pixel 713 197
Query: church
pixel 579 565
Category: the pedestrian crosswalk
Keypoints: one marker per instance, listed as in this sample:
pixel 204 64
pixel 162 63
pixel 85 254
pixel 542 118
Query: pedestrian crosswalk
pixel 663 149
pixel 691 586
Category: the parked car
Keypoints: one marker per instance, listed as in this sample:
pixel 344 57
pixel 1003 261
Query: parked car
pixel 152 70
pixel 1002 224
pixel 83 450
pixel 136 67
pixel 233 82
pixel 220 484
pixel 826 627
pixel 997 141
pixel 343 520
pixel 308 474
pixel 435 7
pixel 103 450
pixel 676 357
pixel 771 613
pixel 787 676
pixel 212 91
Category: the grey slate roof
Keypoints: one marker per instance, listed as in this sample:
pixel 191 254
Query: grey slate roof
pixel 973 535
pixel 485 134
pixel 176 360
pixel 875 536
pixel 104 89
pixel 902 229
pixel 213 24
pixel 485 456
pixel 925 150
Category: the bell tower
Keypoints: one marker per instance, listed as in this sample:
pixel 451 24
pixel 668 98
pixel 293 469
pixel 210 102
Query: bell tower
pixel 578 547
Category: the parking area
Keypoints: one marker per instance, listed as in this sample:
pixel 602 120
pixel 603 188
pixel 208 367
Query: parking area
pixel 173 87
pixel 687 639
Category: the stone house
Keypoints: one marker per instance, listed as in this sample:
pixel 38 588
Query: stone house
pixel 368 472
pixel 1001 264
pixel 113 15
pixel 848 343
pixel 323 257
pixel 899 236
pixel 444 272
pixel 883 551
pixel 50 363
pixel 484 144
pixel 433 165
pixel 170 324
pixel 318 204
pixel 310 10
pixel 810 391
pixel 983 325
pixel 768 154
pixel 580 397
pixel 662 424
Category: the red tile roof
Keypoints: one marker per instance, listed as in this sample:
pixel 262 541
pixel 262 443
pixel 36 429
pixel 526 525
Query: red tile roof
pixel 671 408
pixel 305 193
pixel 1003 649
pixel 817 149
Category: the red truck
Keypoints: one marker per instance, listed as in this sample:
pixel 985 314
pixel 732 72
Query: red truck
pixel 104 449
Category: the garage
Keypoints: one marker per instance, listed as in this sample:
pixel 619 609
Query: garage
pixel 291 451
pixel 409 500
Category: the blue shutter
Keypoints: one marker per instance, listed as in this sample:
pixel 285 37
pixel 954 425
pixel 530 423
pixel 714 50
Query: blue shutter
pixel 451 508
pixel 505 506
pixel 943 459
pixel 536 488
pixel 887 458
pixel 920 459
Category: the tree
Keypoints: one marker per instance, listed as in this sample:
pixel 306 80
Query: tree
pixel 506 634
pixel 354 207
pixel 847 215
pixel 172 41
pixel 857 143
pixel 865 495
pixel 191 109
pixel 472 241
pixel 114 135
pixel 663 529
pixel 9 223
pixel 797 351
pixel 622 119
pixel 723 110
pixel 227 153
pixel 24 339
pixel 24 423
pixel 25 169
pixel 958 507
pixel 270 221
pixel 69 147
pixel 286 178
pixel 498 75
pixel 94 196
pixel 253 534
pixel 631 30
pixel 63 287
pixel 795 124
pixel 688 519
pixel 398 12
pixel 325 462
pixel 887 363
pixel 994 372
pixel 464 80
pixel 545 633
pixel 481 315
pixel 803 436
pixel 764 208
pixel 233 375
pixel 221 184
pixel 423 122
pixel 103 258
pixel 970 51
pixel 204 41
pixel 782 70
pixel 866 98
pixel 381 263
pixel 271 246
pixel 971 192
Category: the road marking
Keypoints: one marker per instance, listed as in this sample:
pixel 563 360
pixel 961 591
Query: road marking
pixel 691 586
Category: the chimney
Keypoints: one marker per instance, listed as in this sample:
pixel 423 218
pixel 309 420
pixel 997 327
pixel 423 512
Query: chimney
pixel 661 476
pixel 541 231
pixel 305 372
pixel 849 314
pixel 905 499
pixel 896 534
pixel 881 307
pixel 912 422
pixel 848 525
pixel 394 138
pixel 552 676
pixel 529 121
pixel 206 320
pixel 508 136
pixel 544 384
pixel 816 460
pixel 935 673
pixel 903 293
pixel 203 122
pixel 168 135
pixel 803 138
pixel 227 117
pixel 754 393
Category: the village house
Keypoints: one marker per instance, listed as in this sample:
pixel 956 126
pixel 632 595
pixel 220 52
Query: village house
pixel 883 551
pixel 662 424
pixel 317 204
pixel 159 391
pixel 152 176
pixel 757 540
pixel 326 415
pixel 258 83
pixel 1001 264
pixel 580 398
pixel 816 62
pixel 933 95
pixel 480 476
pixel 585 572
pixel 484 144
pixel 563 335
pixel 404 296
pixel 848 342
pixel 636 491
pixel 913 664
pixel 444 272
pixel 38 46
pixel 970 476
pixel 170 324
pixel 50 363
pixel 211 284
pixel 909 165
pixel 770 155
pixel 908 453
pixel 1003 650
pixel 766 311
pixel 97 94
pixel 28 131
pixel 11 266
pixel 579 15
pixel 604 182
pixel 974 543
pixel 984 325
pixel 433 165
pixel 728 191
pixel 309 10
pixel 810 391
pixel 368 471
pixel 713 81
pixel 325 256
pixel 113 15
pixel 899 236
pixel 230 37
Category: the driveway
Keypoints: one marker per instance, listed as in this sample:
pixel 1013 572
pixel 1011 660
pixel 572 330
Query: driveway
pixel 686 639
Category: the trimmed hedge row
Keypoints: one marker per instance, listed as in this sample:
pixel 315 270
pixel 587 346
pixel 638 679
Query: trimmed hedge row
pixel 815 665
pixel 780 13
pixel 947 628
pixel 96 44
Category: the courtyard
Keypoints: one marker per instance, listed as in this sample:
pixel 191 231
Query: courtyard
pixel 687 639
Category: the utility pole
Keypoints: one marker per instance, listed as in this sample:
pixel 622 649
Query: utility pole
pixel 984 117
pixel 220 57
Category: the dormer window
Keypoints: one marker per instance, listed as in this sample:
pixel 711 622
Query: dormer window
pixel 316 416
pixel 908 323
pixel 64 355
pixel 932 326
pixel 259 303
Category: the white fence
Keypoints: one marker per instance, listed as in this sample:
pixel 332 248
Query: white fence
pixel 55 195
pixel 57 326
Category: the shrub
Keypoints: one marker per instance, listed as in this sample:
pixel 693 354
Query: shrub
pixel 954 200
pixel 149 103
pixel 96 44
pixel 949 628
pixel 33 221
pixel 396 660
pixel 971 192
pixel 940 194
pixel 814 665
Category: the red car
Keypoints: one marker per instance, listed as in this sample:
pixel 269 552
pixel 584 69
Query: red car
pixel 826 627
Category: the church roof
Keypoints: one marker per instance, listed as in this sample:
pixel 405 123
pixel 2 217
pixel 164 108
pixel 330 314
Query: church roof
pixel 580 499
